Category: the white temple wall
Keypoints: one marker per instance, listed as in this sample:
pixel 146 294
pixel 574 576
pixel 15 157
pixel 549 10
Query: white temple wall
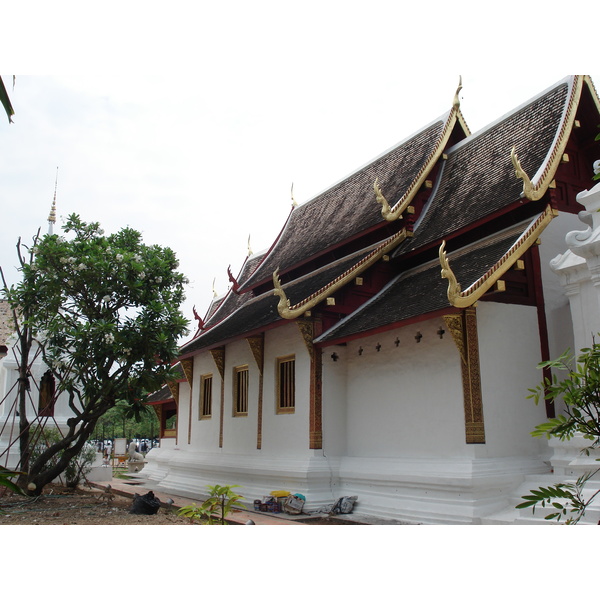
pixel 183 413
pixel 282 434
pixel 509 348
pixel 334 406
pixel 239 432
pixel 286 434
pixel 405 400
pixel 205 432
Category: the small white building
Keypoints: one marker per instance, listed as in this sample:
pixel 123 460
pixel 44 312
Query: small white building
pixel 44 408
pixel 384 345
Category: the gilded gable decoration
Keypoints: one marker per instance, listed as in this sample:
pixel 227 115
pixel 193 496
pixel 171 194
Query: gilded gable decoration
pixel 385 206
pixel 392 213
pixel 287 311
pixel 530 191
pixel 535 190
pixel 462 299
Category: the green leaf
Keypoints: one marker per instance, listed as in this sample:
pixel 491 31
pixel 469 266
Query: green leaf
pixel 5 100
pixel 527 504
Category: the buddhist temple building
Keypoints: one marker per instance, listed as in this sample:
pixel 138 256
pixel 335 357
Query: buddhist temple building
pixel 384 345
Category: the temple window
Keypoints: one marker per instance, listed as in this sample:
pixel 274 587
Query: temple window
pixel 286 384
pixel 206 396
pixel 47 391
pixel 240 391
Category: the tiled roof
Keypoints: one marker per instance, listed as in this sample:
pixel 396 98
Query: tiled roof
pixel 422 290
pixel 165 393
pixel 261 311
pixel 349 207
pixel 478 178
pixel 223 307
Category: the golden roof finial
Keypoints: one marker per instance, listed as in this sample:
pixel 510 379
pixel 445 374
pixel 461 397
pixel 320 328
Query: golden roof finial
pixel 294 203
pixel 250 253
pixel 456 101
pixel 214 291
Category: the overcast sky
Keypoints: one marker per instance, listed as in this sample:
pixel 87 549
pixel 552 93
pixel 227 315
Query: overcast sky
pixel 192 123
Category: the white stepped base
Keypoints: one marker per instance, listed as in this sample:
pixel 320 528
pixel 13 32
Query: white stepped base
pixel 568 462
pixel 460 491
pixel 512 516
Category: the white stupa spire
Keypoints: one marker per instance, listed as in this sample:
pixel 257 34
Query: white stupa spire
pixel 52 215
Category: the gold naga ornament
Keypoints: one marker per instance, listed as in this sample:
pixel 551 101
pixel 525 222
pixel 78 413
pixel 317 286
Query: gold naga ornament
pixel 392 213
pixel 287 311
pixel 530 191
pixel 468 297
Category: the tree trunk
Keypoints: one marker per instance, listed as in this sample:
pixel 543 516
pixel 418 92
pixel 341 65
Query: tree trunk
pixel 24 425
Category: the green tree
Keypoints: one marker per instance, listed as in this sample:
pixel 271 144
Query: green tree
pixel 122 421
pixel 78 467
pixel 580 392
pixel 105 309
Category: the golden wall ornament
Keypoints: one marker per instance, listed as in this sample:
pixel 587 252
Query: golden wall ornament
pixel 307 332
pixel 188 368
pixel 287 311
pixel 454 323
pixel 463 327
pixel 218 355
pixel 174 389
pixel 257 347
pixel 462 299
pixel 474 427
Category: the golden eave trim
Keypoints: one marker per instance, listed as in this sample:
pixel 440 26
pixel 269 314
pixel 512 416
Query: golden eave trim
pixel 291 312
pixel 535 191
pixel 392 213
pixel 463 299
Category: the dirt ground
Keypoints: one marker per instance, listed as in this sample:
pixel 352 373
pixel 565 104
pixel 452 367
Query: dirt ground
pixel 59 505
